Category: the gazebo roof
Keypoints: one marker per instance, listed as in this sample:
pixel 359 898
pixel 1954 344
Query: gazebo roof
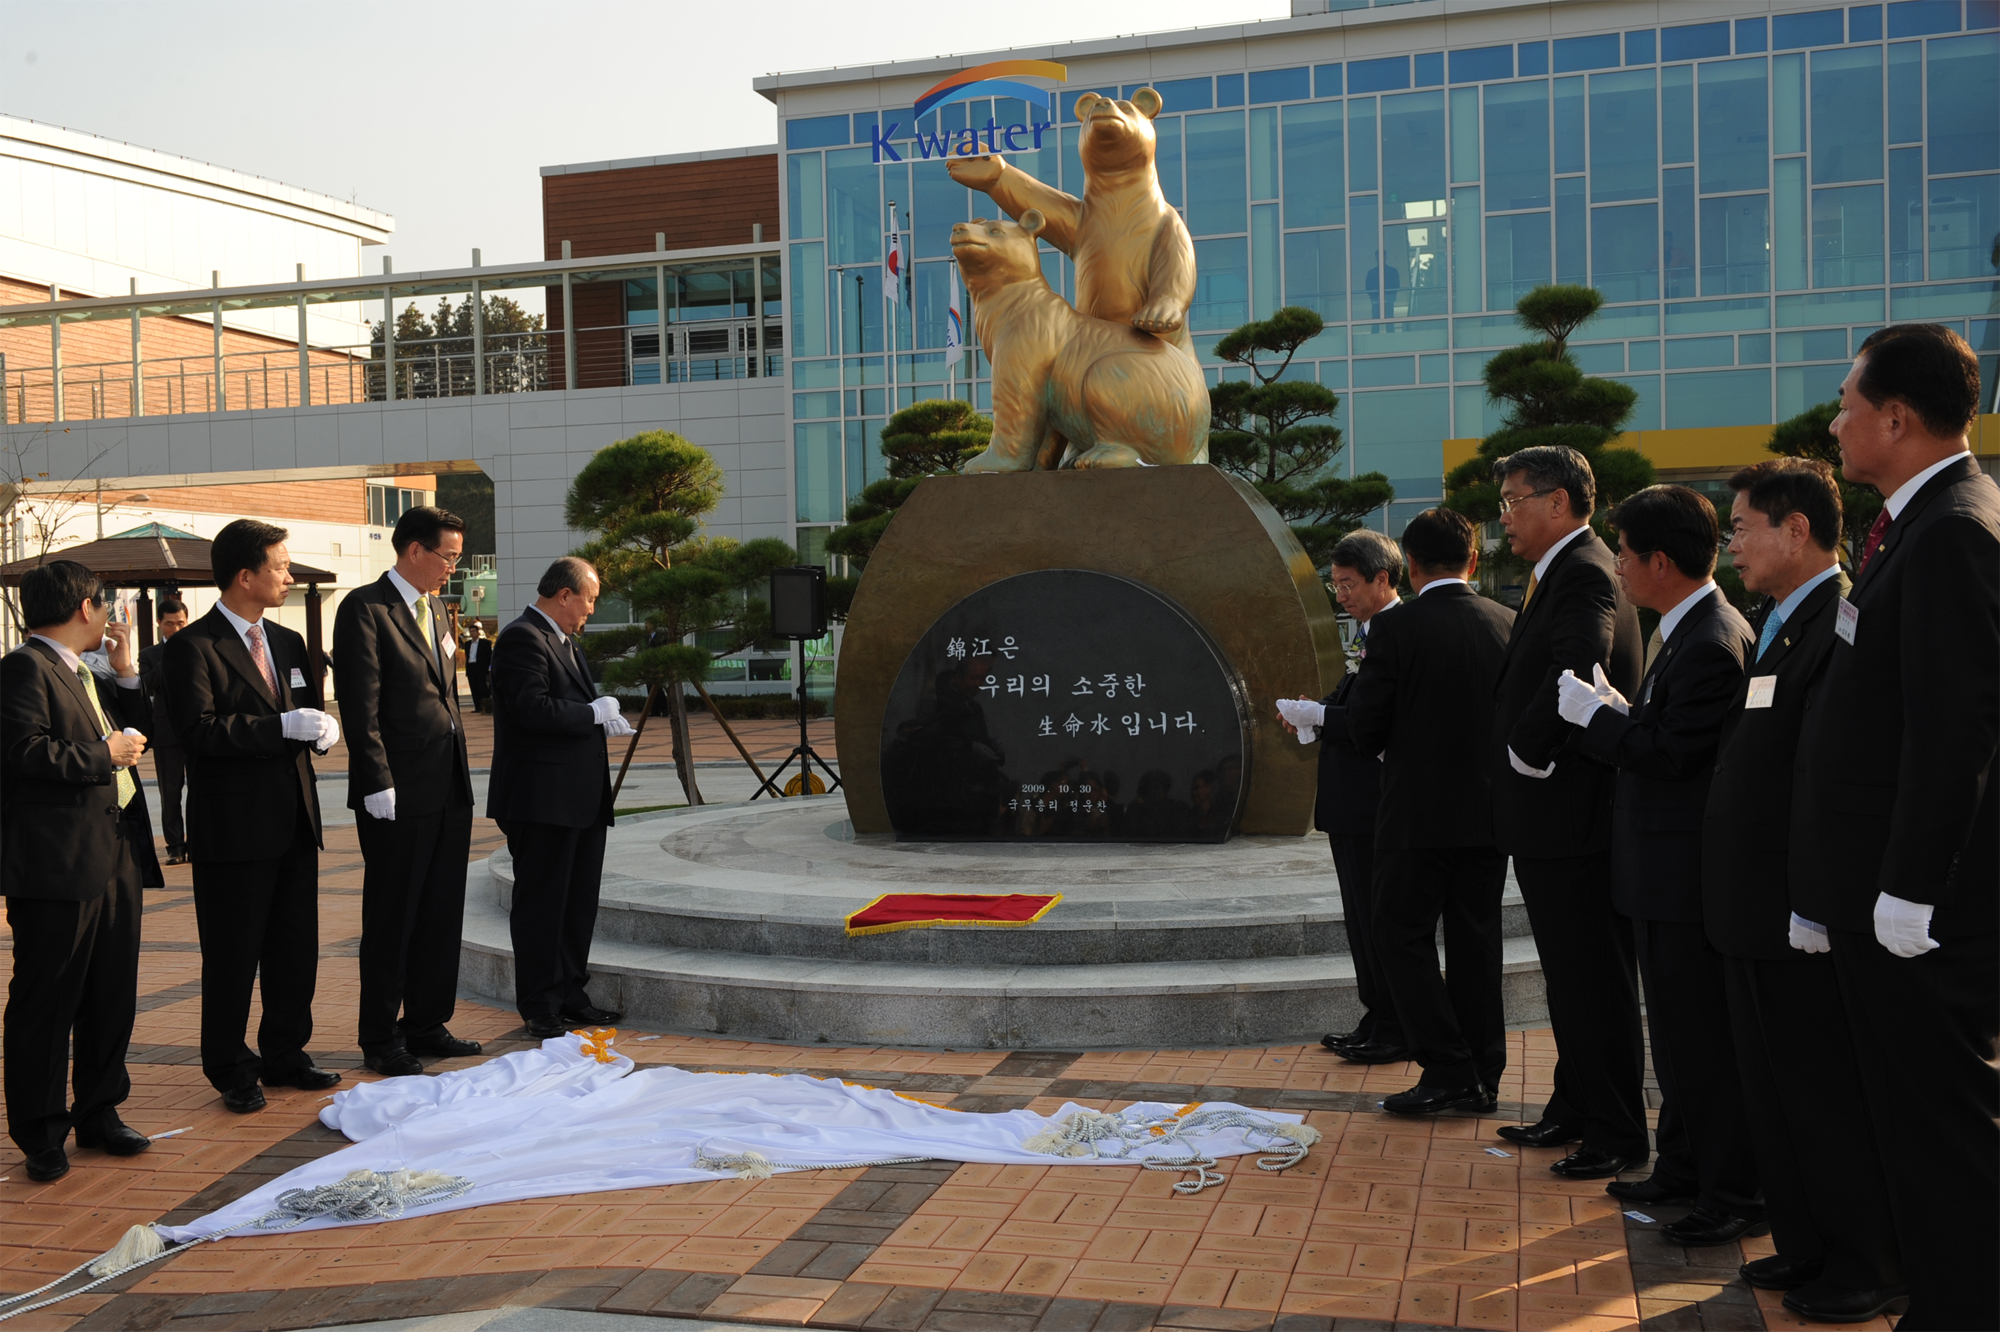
pixel 154 560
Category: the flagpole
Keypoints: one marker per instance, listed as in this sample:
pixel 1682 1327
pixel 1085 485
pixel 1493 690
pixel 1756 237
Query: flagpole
pixel 889 299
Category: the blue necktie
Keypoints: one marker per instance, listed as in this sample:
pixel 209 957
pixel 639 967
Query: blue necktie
pixel 1770 633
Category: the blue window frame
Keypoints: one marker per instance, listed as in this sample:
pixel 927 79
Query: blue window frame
pixel 1846 114
pixel 1413 161
pixel 1864 23
pixel 1221 284
pixel 1735 244
pixel 1639 47
pixel 1316 272
pixel 1517 257
pixel 1280 85
pixel 1622 135
pixel 1580 53
pixel 1921 18
pixel 1822 27
pixel 1735 144
pixel 1517 145
pixel 1625 252
pixel 1389 74
pixel 1847 236
pixel 1482 63
pixel 816 132
pixel 1215 178
pixel 1532 58
pixel 1313 165
pixel 1964 81
pixel 1695 41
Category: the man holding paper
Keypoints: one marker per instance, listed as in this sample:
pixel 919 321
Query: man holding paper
pixel 551 795
pixel 246 707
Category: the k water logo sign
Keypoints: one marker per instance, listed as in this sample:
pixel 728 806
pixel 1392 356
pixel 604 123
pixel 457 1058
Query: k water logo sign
pixel 1002 78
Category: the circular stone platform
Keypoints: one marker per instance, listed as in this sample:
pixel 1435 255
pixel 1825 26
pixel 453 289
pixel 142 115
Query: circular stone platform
pixel 729 920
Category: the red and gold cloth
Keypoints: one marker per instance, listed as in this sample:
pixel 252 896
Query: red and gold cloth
pixel 915 911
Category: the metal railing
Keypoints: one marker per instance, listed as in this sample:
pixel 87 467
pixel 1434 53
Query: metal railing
pixel 284 374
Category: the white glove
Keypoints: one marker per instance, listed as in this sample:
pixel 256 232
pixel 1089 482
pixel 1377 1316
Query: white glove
pixel 603 709
pixel 1809 936
pixel 381 805
pixel 329 733
pixel 1525 770
pixel 1612 698
pixel 1576 702
pixel 1904 928
pixel 305 724
pixel 618 726
pixel 1305 717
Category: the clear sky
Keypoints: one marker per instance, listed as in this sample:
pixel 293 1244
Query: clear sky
pixel 440 113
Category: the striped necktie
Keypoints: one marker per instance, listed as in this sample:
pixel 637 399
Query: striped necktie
pixel 127 788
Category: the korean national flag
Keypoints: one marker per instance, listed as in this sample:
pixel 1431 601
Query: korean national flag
pixel 954 320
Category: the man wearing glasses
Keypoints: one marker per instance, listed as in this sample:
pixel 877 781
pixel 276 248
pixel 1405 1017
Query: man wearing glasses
pixel 1552 810
pixel 76 851
pixel 411 789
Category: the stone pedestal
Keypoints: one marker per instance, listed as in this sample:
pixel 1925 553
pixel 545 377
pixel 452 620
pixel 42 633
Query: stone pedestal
pixel 1196 536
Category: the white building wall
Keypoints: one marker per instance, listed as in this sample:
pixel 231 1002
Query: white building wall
pixel 93 214
pixel 530 444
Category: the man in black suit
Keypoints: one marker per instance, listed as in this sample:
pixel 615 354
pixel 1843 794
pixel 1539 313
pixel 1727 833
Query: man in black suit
pixel 1552 810
pixel 1802 1094
pixel 1896 812
pixel 76 853
pixel 240 688
pixel 1429 682
pixel 478 664
pixel 1365 568
pixel 411 789
pixel 1663 745
pixel 169 762
pixel 550 793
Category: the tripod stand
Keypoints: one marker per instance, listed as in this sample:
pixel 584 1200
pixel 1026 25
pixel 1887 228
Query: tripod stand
pixel 803 751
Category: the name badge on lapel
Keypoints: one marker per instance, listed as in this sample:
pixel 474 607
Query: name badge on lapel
pixel 1763 691
pixel 298 678
pixel 1846 620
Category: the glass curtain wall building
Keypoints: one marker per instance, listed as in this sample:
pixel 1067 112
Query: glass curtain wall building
pixel 1753 195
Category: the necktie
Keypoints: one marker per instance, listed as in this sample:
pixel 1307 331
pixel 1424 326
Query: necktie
pixel 1531 592
pixel 1653 646
pixel 255 633
pixel 424 628
pixel 127 788
pixel 1873 541
pixel 1770 634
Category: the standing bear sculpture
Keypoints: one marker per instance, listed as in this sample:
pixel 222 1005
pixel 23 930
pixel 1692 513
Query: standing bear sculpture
pixel 1134 258
pixel 1070 390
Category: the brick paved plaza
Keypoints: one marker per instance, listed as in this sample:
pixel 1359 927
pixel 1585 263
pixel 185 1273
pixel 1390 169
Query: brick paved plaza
pixel 1388 1222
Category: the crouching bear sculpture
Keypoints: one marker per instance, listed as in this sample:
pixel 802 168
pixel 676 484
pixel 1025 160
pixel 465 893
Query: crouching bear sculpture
pixel 1070 390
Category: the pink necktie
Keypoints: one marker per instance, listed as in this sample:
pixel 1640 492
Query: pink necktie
pixel 262 658
pixel 1873 541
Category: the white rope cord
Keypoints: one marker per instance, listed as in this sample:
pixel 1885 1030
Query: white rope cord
pixel 756 1165
pixel 364 1195
pixel 1096 1134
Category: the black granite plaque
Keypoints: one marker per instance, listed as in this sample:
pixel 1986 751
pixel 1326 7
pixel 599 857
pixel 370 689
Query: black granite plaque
pixel 1065 705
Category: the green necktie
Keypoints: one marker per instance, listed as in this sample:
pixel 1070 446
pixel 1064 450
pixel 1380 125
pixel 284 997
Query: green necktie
pixel 127 788
pixel 423 610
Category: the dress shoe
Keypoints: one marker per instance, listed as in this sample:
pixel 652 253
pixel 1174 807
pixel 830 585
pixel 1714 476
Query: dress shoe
pixel 1544 1134
pixel 1654 1192
pixel 244 1100
pixel 589 1015
pixel 1777 1272
pixel 1422 1100
pixel 394 1062
pixel 1702 1229
pixel 542 1028
pixel 1334 1040
pixel 1820 1303
pixel 110 1134
pixel 1591 1163
pixel 440 1045
pixel 48 1165
pixel 1374 1052
pixel 176 856
pixel 308 1078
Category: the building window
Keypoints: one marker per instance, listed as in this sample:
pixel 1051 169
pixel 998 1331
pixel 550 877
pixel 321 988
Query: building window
pixel 388 503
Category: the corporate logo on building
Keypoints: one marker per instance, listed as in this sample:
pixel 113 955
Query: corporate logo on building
pixel 1002 78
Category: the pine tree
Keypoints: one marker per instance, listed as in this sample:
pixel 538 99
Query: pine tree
pixel 1548 401
pixel 1278 434
pixel 935 437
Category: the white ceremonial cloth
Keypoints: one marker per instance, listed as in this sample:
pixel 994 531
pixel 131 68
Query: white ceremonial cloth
pixel 543 1123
